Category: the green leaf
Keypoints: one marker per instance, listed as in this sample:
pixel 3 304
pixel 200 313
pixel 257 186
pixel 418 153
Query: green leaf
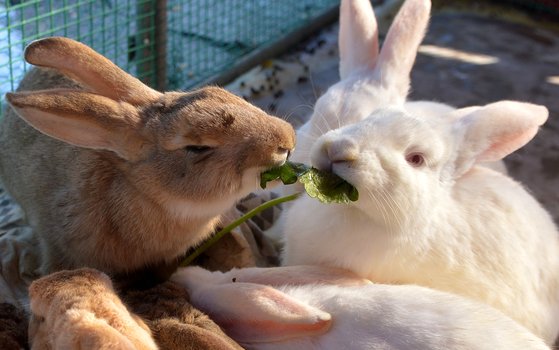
pixel 270 175
pixel 288 173
pixel 328 187
pixel 325 186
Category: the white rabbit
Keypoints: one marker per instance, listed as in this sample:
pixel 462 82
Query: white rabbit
pixel 427 213
pixel 311 307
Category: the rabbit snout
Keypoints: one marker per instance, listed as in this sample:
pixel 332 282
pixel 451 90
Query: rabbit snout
pixel 276 146
pixel 342 150
pixel 281 155
pixel 334 152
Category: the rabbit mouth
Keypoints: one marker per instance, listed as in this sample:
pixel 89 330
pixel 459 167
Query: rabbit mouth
pixel 343 171
pixel 279 158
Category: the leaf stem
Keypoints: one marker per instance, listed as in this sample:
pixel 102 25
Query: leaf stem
pixel 212 240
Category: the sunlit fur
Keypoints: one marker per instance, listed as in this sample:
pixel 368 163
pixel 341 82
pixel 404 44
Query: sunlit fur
pixel 364 316
pixel 103 165
pixel 79 309
pixel 451 224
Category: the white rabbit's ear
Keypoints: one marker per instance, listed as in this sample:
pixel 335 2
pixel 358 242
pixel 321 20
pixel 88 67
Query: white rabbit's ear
pixel 253 313
pixel 82 119
pixel 401 44
pixel 496 130
pixel 358 37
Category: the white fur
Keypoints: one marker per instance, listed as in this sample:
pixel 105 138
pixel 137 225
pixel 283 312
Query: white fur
pixel 451 224
pixel 364 316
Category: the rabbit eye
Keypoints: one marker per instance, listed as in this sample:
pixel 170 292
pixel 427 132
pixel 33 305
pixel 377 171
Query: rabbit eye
pixel 415 159
pixel 197 149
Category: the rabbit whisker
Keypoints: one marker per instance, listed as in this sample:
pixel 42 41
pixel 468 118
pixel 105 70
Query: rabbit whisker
pixel 391 211
pixel 382 209
pixel 393 206
pixel 294 109
pixel 313 87
pixel 325 123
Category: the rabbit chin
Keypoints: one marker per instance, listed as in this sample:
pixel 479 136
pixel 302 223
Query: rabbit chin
pixel 187 209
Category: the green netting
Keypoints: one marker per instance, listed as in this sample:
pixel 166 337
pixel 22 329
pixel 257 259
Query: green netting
pixel 204 37
pixel 207 37
pixel 121 30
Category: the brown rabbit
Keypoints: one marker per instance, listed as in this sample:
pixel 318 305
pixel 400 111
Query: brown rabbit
pixel 79 309
pixel 114 175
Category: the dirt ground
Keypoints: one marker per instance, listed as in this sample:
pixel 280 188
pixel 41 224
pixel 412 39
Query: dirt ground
pixel 490 59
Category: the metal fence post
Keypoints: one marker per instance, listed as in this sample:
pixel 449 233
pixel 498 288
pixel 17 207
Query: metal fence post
pixel 151 43
pixel 161 45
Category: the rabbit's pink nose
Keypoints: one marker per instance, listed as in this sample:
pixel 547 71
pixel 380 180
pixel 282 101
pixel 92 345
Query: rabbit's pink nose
pixel 335 151
pixel 342 150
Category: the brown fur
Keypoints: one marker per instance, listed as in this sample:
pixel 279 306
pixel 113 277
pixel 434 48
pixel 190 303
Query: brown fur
pixel 174 322
pixel 79 309
pixel 111 195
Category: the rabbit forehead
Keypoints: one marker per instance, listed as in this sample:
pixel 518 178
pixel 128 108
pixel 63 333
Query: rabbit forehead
pixel 352 100
pixel 208 115
pixel 393 126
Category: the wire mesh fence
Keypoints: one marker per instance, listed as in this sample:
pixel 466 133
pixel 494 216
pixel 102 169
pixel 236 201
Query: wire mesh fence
pixel 206 37
pixel 201 37
pixel 121 30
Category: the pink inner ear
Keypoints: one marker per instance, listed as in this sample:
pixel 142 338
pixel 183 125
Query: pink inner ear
pixel 358 36
pixel 400 47
pixel 266 331
pixel 505 144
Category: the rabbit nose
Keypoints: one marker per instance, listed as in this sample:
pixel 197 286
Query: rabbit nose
pixel 283 152
pixel 335 152
pixel 281 155
pixel 342 151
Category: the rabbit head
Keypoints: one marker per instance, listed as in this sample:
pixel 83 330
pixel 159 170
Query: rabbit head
pixel 401 163
pixel 172 144
pixel 369 79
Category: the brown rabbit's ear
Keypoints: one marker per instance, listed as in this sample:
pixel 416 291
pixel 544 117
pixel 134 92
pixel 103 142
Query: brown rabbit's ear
pixel 82 119
pixel 83 64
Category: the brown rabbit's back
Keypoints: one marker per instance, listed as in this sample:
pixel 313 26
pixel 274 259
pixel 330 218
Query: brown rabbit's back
pixel 18 138
pixel 30 160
